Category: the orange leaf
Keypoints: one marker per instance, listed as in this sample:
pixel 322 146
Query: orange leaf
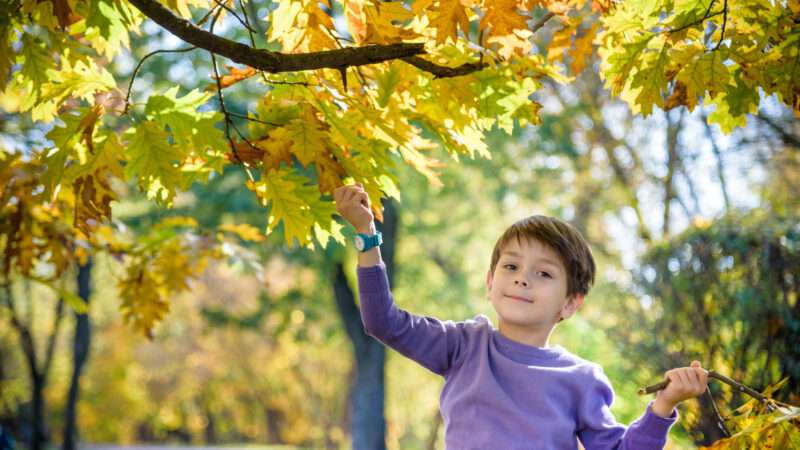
pixel 236 75
pixel 583 49
pixel 356 19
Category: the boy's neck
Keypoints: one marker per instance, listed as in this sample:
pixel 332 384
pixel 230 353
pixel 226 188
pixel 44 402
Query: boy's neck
pixel 533 337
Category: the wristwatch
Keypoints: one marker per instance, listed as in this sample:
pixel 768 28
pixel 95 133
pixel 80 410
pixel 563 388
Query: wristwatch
pixel 365 242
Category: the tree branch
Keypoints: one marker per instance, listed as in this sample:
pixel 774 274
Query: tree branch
pixel 440 71
pixel 712 374
pixel 275 62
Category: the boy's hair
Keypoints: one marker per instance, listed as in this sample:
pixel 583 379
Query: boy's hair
pixel 564 239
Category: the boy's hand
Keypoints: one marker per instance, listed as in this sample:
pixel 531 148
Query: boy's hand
pixel 352 203
pixel 684 383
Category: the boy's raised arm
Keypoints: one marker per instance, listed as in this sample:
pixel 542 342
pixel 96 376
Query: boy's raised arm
pixel 433 343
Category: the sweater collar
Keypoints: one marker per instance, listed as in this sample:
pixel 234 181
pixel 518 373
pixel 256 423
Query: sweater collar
pixel 525 352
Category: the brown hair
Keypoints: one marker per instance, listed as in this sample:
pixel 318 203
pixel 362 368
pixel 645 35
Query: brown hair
pixel 564 239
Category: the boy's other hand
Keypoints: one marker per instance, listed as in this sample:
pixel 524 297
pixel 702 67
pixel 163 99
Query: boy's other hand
pixel 684 383
pixel 352 203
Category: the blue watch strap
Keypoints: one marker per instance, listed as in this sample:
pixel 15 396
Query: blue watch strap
pixel 372 240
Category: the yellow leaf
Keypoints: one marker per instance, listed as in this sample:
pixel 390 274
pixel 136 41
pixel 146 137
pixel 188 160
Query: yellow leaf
pixel 244 231
pixel 143 295
pixel 503 23
pixel 380 26
pixel 451 15
pixel 292 203
pixel 301 26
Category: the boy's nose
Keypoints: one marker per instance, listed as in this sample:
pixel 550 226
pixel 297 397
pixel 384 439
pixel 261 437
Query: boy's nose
pixel 522 282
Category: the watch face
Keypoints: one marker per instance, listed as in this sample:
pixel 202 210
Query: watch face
pixel 359 243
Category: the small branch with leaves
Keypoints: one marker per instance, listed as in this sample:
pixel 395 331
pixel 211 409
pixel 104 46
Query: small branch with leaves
pixel 770 405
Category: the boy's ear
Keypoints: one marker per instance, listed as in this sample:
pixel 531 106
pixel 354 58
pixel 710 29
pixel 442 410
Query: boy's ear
pixel 572 305
pixel 489 280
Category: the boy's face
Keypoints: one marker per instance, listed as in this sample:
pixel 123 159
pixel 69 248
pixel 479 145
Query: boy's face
pixel 534 273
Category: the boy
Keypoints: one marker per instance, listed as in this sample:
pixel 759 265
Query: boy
pixel 507 388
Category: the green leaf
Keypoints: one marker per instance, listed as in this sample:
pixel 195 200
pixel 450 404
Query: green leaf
pixel 620 64
pixel 189 127
pixel 108 25
pixel 67 145
pixel 722 115
pixel 704 74
pixel 650 80
pixel 155 162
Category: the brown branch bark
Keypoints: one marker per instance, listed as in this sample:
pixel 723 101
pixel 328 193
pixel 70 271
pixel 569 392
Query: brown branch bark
pixel 275 62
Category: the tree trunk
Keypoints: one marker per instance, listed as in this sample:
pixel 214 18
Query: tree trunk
pixel 39 429
pixel 367 402
pixel 80 353
pixel 38 376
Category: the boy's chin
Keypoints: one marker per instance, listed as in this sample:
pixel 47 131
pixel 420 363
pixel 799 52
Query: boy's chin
pixel 522 320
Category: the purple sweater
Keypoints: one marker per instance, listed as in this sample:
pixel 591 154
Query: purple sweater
pixel 500 394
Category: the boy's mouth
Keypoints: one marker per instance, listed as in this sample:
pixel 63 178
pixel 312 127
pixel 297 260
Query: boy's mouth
pixel 519 298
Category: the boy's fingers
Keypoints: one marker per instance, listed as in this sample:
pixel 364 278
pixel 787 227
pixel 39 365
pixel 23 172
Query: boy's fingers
pixel 694 378
pixel 684 377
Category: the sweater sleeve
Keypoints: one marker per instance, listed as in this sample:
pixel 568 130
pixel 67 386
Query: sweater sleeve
pixel 435 344
pixel 597 428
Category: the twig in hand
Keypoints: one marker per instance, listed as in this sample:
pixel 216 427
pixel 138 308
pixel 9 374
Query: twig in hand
pixel 712 374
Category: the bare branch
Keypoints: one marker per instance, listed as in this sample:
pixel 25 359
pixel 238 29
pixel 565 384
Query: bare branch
pixel 443 72
pixel 274 62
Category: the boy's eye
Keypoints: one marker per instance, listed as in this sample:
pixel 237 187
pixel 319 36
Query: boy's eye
pixel 544 274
